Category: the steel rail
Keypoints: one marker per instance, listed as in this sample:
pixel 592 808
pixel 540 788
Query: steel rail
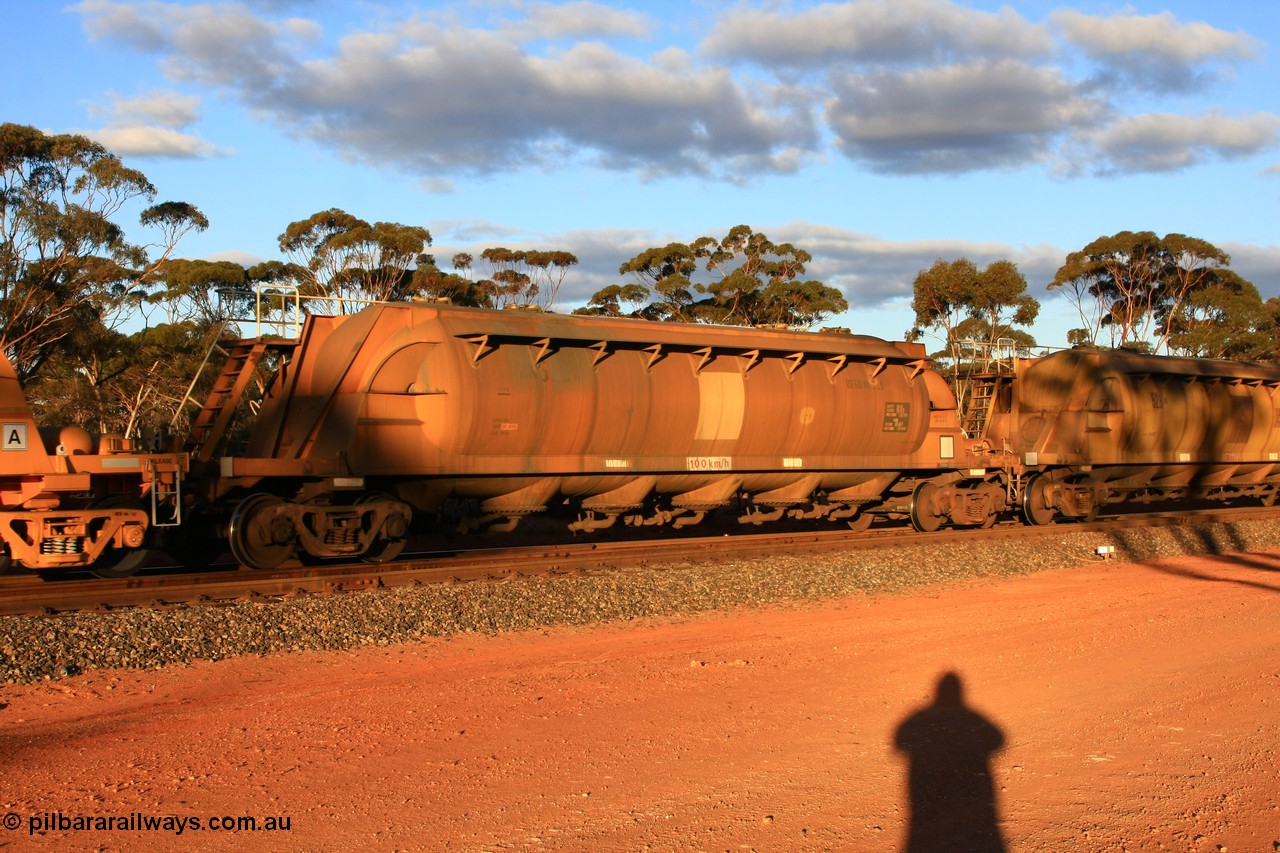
pixel 30 594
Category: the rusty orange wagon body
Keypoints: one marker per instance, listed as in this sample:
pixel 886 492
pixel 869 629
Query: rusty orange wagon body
pixel 412 406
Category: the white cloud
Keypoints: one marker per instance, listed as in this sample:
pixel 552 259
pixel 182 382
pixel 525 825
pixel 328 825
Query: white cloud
pixel 579 19
pixel 236 256
pixel 217 44
pixel 427 103
pixel 1162 142
pixel 874 31
pixel 166 109
pixel 132 25
pixel 470 230
pixel 152 125
pixel 1154 51
pixel 1258 264
pixel 904 86
pixel 874 272
pixel 150 141
pixel 956 118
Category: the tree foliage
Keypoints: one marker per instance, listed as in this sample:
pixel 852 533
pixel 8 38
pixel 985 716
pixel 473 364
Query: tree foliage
pixel 70 276
pixel 752 281
pixel 525 276
pixel 335 255
pixel 66 263
pixel 204 292
pixel 114 383
pixel 957 302
pixel 515 277
pixel 457 287
pixel 666 275
pixel 1135 284
pixel 1227 319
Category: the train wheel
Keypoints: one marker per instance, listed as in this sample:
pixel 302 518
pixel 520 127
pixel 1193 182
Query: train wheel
pixel 386 547
pixel 1035 501
pixel 383 551
pixel 861 522
pixel 121 562
pixel 256 538
pixel 923 517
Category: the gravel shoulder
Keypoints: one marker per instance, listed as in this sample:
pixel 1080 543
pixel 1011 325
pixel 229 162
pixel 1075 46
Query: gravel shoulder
pixel 1136 706
pixel 43 648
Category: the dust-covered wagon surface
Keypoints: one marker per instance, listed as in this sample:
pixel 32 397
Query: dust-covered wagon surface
pixel 1104 707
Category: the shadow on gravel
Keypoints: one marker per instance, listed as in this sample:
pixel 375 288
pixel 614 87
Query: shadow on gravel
pixel 952 797
pixel 1233 559
pixel 1222 542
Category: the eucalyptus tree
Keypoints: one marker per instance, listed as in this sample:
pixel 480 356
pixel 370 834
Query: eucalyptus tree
pixel 333 255
pixel 525 276
pixel 617 300
pixel 203 292
pixel 66 262
pixel 1225 318
pixel 1133 284
pixel 750 281
pixel 666 275
pixel 957 301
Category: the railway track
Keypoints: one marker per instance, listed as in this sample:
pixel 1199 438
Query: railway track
pixel 161 586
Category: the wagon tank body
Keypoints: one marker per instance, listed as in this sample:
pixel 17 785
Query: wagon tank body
pixel 651 422
pixel 1102 426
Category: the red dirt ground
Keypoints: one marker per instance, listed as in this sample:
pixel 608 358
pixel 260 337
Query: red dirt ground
pixel 1138 707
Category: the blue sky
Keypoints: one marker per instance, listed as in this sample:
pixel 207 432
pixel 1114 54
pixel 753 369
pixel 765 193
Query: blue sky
pixel 879 135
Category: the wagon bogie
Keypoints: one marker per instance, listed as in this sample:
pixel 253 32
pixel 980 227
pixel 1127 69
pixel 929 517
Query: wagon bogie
pixel 266 530
pixel 72 500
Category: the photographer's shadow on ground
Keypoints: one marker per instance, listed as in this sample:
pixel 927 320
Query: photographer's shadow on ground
pixel 952 797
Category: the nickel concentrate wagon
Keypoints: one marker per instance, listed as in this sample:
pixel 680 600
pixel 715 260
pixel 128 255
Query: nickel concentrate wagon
pixel 405 415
